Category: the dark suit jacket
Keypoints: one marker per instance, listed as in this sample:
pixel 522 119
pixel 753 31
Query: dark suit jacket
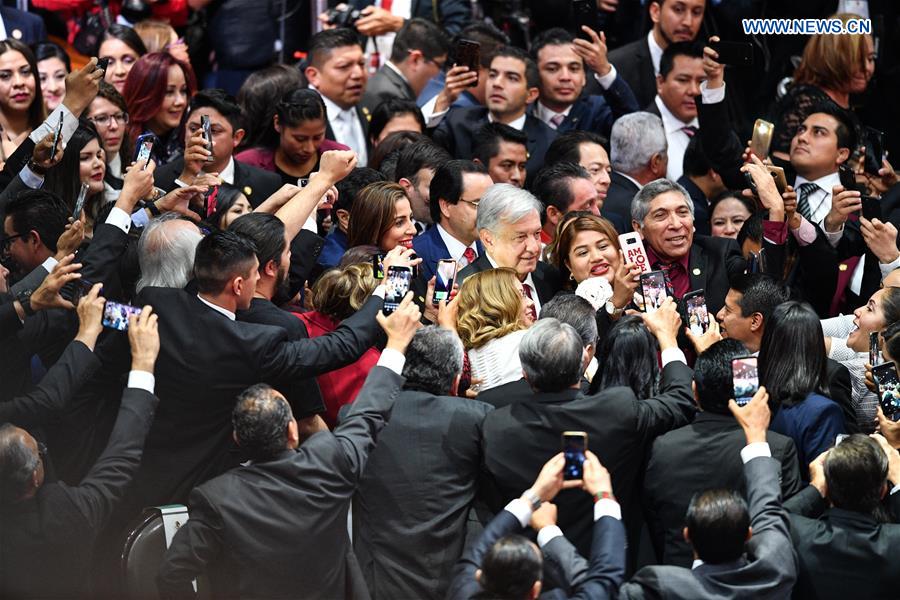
pixel 409 513
pixel 546 278
pixel 768 570
pixel 281 524
pixel 521 437
pixel 452 15
pixel 619 196
pixel 386 84
pixel 364 116
pixel 713 263
pixel 53 533
pixel 701 456
pixel 30 26
pixel 634 65
pixel 253 182
pixel 701 205
pixel 457 129
pixel 598 112
pixel 606 571
pixel 430 247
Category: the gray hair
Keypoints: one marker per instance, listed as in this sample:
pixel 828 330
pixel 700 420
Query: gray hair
pixel 504 202
pixel 166 252
pixel 640 205
pixel 17 463
pixel 634 139
pixel 575 311
pixel 434 359
pixel 551 353
pixel 261 417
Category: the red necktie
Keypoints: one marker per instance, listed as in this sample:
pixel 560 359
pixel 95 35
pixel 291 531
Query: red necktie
pixel 470 256
pixel 527 289
pixel 386 4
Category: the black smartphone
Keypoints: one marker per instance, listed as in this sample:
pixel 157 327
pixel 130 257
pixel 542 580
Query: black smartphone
pixel 57 136
pixel 874 141
pixel 584 12
pixel 871 207
pixel 207 136
pixel 574 445
pixel 848 179
pixel 378 266
pixel 744 379
pixel 734 54
pixel 397 282
pixel 79 201
pixel 103 64
pixel 443 280
pixel 468 53
pixel 654 289
pixel 697 313
pixel 115 315
pixel 885 376
pixel 80 289
pixel 873 348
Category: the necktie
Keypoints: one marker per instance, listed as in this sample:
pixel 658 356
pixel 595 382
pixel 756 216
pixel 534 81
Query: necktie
pixel 557 120
pixel 803 199
pixel 527 289
pixel 689 130
pixel 386 4
pixel 470 256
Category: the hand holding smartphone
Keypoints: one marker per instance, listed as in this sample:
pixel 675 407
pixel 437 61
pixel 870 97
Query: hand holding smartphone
pixel 207 136
pixel 443 281
pixel 744 379
pixel 885 376
pixel 654 289
pixel 633 248
pixel 761 140
pixel 397 282
pixel 574 446
pixel 697 312
pixel 734 54
pixel 79 201
pixel 115 315
pixel 468 54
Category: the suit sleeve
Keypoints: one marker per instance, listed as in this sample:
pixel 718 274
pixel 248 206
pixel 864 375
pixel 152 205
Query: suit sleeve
pixel 305 250
pixel 818 436
pixel 620 101
pixel 463 585
pixel 100 262
pixel 454 15
pixel 11 191
pixel 672 407
pixel 721 144
pixel 9 321
pixel 196 543
pixel 771 541
pixel 807 503
pixel 607 568
pixel 563 565
pixel 791 481
pixel 840 389
pixel 61 382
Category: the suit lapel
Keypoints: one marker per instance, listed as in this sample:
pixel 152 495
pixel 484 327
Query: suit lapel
pixel 401 84
pixel 697 267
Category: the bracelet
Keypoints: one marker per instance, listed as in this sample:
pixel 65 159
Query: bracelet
pixel 151 206
pixel 532 498
pixel 36 168
pixel 604 495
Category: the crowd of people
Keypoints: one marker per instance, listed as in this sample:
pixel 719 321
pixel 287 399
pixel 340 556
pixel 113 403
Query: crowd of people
pixel 446 308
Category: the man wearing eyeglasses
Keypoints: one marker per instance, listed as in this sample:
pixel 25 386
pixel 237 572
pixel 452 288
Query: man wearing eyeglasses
pixel 32 225
pixel 419 53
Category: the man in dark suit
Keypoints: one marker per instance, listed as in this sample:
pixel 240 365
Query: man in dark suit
pixel 512 85
pixel 341 88
pixel 563 187
pixel 564 63
pixel 840 536
pixel 620 426
pixel 704 455
pixel 740 553
pixel 456 190
pixel 407 547
pixel 306 496
pixel 416 165
pixel 503 150
pixel 638 61
pixel 509 225
pixel 638 155
pixel 22 26
pixel 449 14
pixel 50 528
pixel 701 182
pixel 225 125
pixel 418 54
pixel 503 564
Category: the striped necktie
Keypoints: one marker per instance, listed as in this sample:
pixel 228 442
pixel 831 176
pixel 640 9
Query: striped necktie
pixel 803 194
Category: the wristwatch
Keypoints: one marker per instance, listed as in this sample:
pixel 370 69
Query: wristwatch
pixel 604 495
pixel 613 311
pixel 24 298
pixel 36 168
pixel 532 498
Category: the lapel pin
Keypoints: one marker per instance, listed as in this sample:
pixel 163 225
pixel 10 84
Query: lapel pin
pixel 247 190
pixel 696 271
pixel 17 34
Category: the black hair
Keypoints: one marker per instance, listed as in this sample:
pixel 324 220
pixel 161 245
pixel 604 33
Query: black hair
pixel 349 187
pixel 751 229
pixel 510 568
pixel 298 106
pixel 124 34
pixel 855 473
pixel 696 163
pixel 322 43
pixel 267 233
pixel 627 357
pixel 487 35
pixel 260 418
pixel 489 136
pixel 567 146
pixel 727 194
pixel 41 211
pixel 17 463
pixel 420 155
pixel 555 36
pixel 718 522
pixel 845 131
pixel 553 185
pixel 419 34
pixel 64 179
pixel 226 196
pixel 890 304
pixel 45 50
pixel 760 293
pixel 384 158
pixel 390 108
pixel 221 256
pixel 792 361
pixel 667 61
pixel 259 96
pixel 220 101
pixel 447 184
pixel 713 375
pixel 532 76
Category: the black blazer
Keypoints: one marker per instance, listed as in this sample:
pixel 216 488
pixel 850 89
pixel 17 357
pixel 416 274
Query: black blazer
pixel 700 456
pixel 53 533
pixel 253 182
pixel 409 514
pixel 281 524
pixel 701 205
pixel 598 112
pixel 634 65
pixel 619 196
pixel 457 130
pixel 520 438
pixel 547 280
pixel 386 84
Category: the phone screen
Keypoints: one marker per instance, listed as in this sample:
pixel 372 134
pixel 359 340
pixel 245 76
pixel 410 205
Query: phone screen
pixel 574 446
pixel 744 379
pixel 653 289
pixel 378 266
pixel 762 138
pixel 397 283
pixel 873 348
pixel 144 153
pixel 443 281
pixel 874 141
pixel 735 54
pixel 697 313
pixel 207 136
pixel 885 377
pixel 115 315
pixel 57 134
pixel 79 201
pixel 585 13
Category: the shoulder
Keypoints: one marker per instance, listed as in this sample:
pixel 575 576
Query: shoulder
pixel 248 169
pixel 467 114
pixel 327 145
pixel 629 52
pixel 256 157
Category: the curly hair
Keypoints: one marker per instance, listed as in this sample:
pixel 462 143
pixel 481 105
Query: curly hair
pixel 339 293
pixel 490 307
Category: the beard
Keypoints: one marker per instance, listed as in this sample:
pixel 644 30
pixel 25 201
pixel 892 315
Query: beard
pixel 282 293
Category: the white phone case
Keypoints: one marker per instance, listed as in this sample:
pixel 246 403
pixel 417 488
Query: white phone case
pixel 633 249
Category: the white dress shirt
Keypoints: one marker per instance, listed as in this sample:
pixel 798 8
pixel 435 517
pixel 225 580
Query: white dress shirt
pixel 676 138
pixel 517 124
pixel 546 114
pixel 384 44
pixel 656 52
pixel 227 174
pixel 347 128
pixel 455 247
pixel 217 308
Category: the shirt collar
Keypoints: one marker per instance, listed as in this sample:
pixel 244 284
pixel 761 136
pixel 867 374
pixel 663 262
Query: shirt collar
pixel 333 111
pixel 227 174
pixel 114 166
pixel 528 280
pixel 396 70
pixel 217 308
pixel 517 124
pixel 655 52
pixel 545 114
pixel 826 183
pixel 697 562
pixel 671 123
pixel 652 257
pixel 631 179
pixel 455 247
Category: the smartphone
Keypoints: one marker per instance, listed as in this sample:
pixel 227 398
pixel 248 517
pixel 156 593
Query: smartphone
pixel 468 53
pixel 873 348
pixel 57 136
pixel 303 182
pixel 378 266
pixel 79 201
pixel 584 12
pixel 871 207
pixel 885 376
pixel 654 289
pixel 874 141
pixel 207 136
pixel 80 288
pixel 633 248
pixel 848 179
pixel 777 174
pixel 744 379
pixel 697 313
pixel 734 54
pixel 397 282
pixel 574 445
pixel 103 64
pixel 761 139
pixel 443 281
pixel 115 315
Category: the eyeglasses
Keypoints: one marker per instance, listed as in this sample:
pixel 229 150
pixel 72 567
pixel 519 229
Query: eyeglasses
pixel 103 120
pixel 472 202
pixel 7 241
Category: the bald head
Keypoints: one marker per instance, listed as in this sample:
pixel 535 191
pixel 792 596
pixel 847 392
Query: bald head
pixel 21 470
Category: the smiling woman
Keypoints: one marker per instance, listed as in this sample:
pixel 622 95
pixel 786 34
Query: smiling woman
pixel 53 66
pixel 21 102
pixel 381 217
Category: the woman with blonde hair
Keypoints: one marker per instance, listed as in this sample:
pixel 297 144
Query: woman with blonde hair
pixel 382 216
pixel 494 313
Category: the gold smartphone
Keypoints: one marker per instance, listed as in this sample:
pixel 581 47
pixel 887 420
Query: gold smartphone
pixel 762 138
pixel 574 445
pixel 778 175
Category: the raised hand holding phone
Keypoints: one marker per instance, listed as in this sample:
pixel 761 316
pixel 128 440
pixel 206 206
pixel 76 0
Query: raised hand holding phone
pixel 90 314
pixel 753 417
